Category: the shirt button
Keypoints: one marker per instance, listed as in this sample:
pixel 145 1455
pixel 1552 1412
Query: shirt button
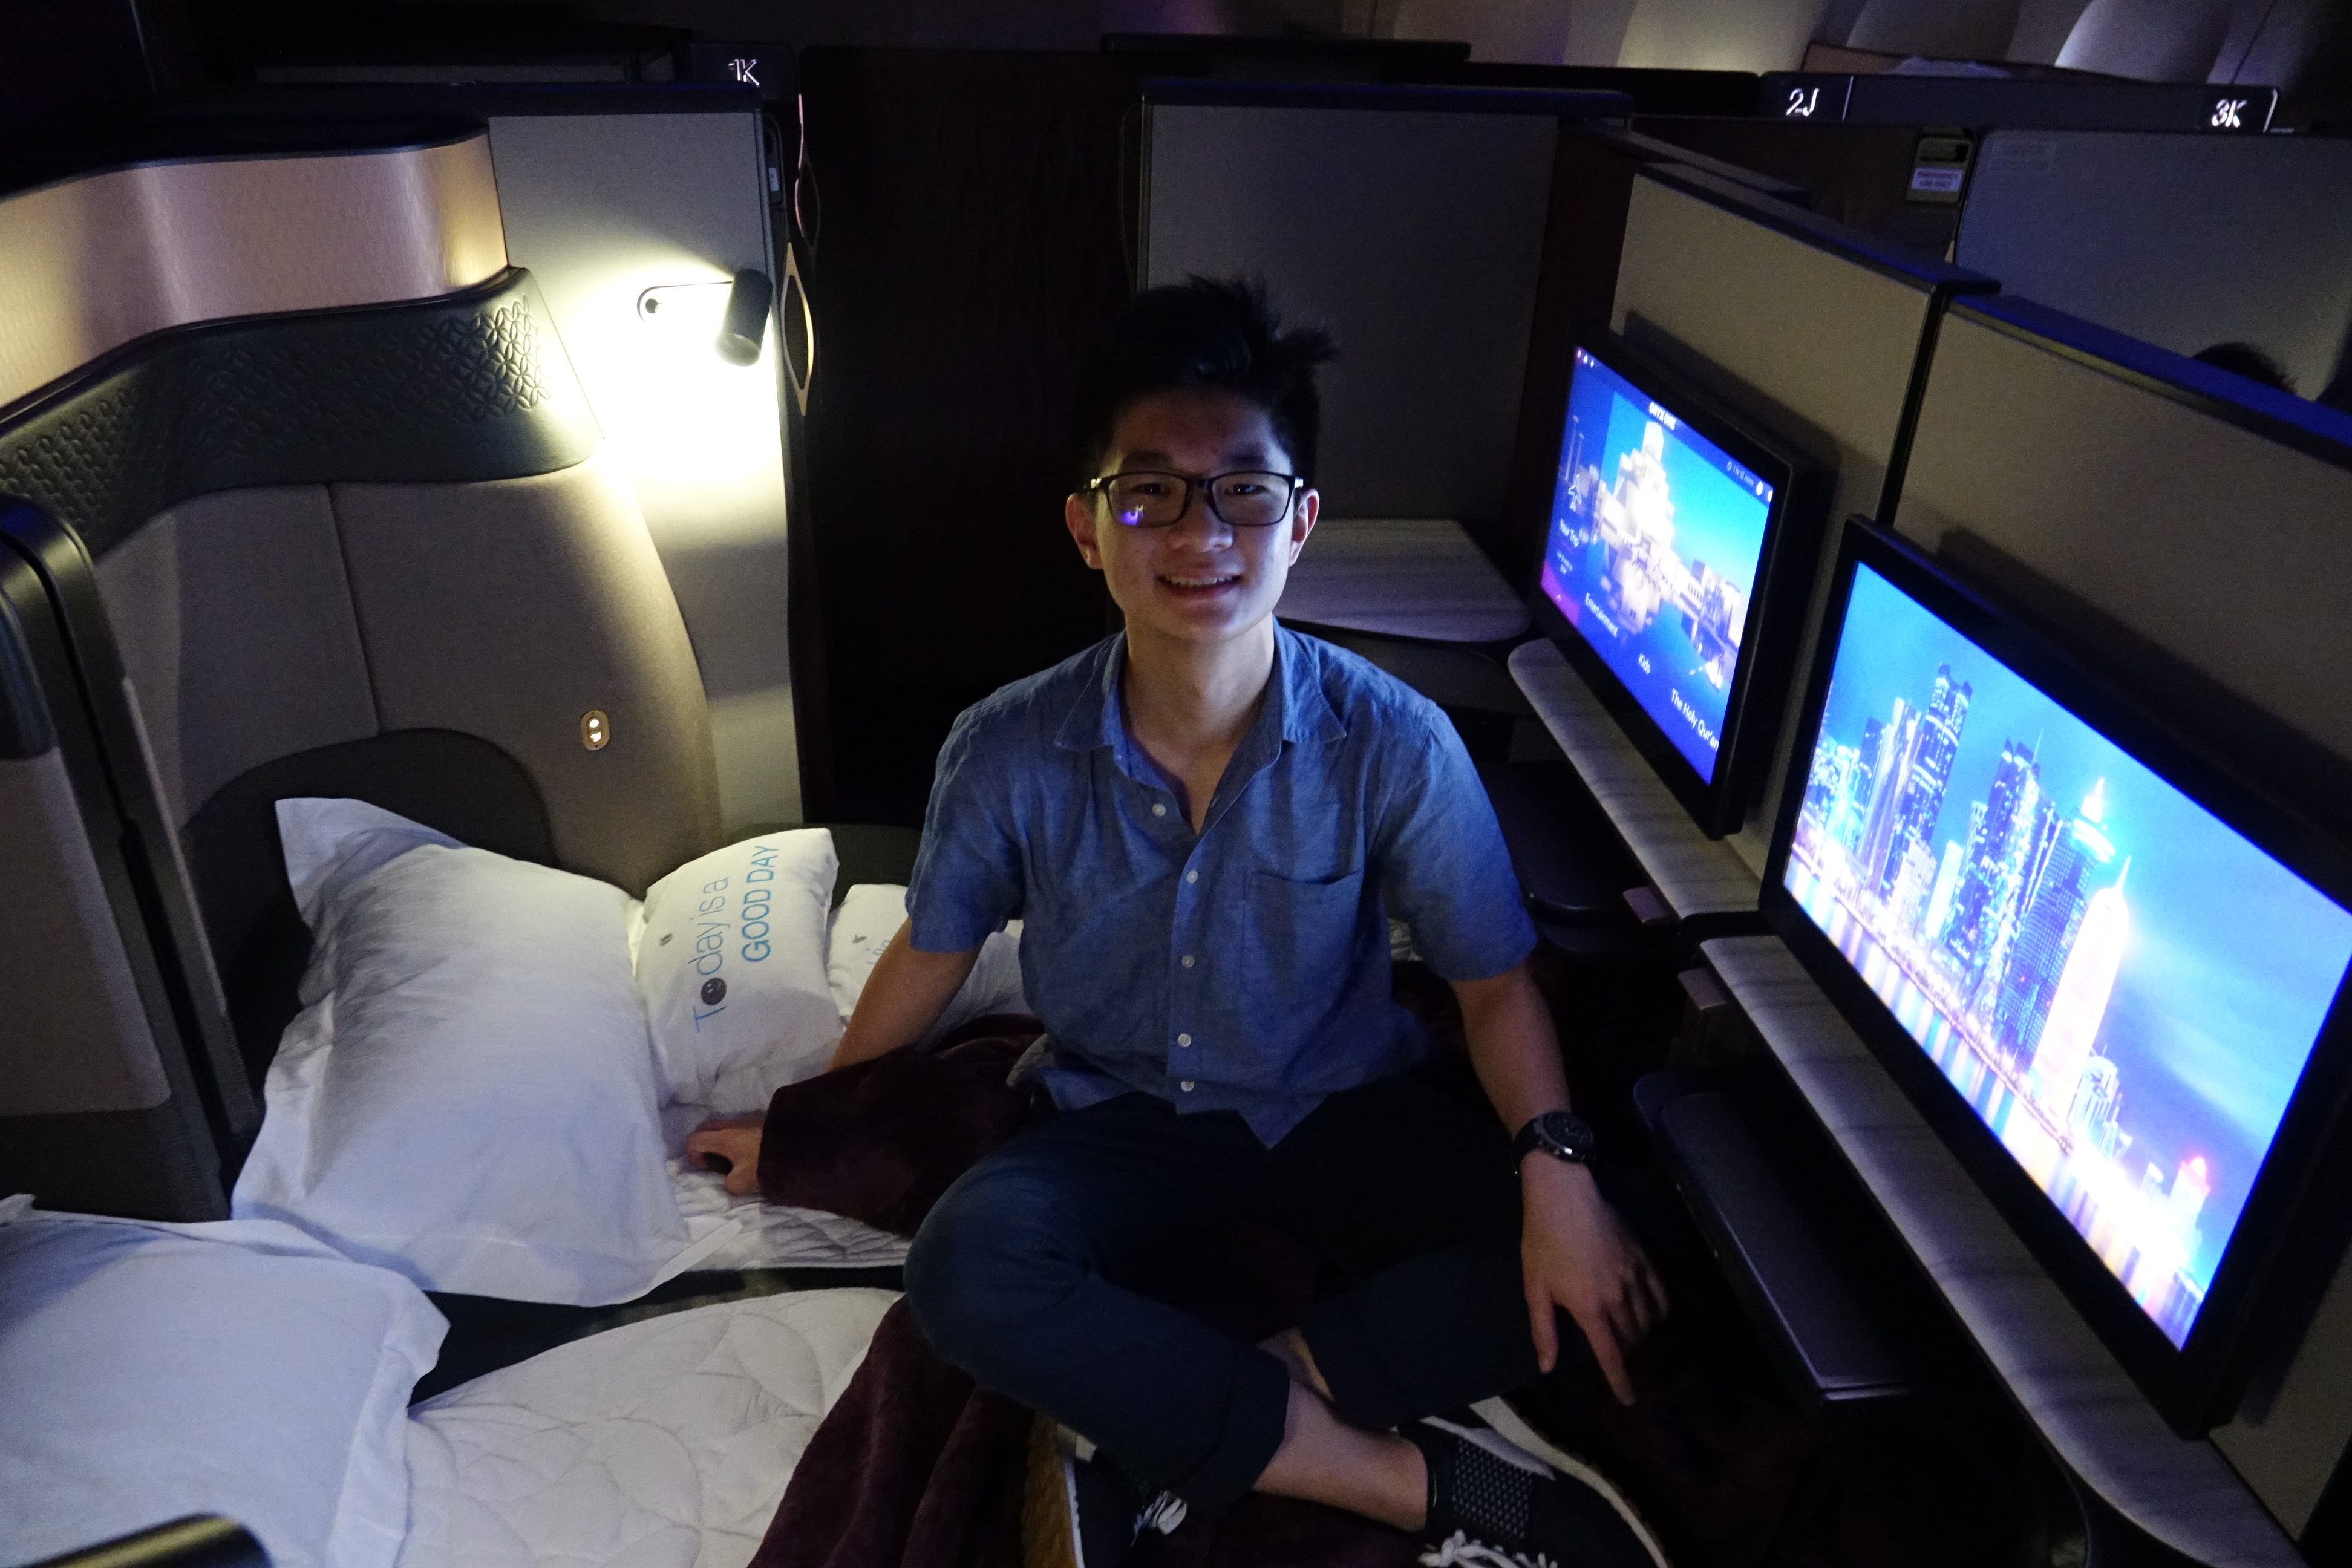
pixel 1191 876
pixel 1183 1039
pixel 1188 961
pixel 1158 809
pixel 1186 1086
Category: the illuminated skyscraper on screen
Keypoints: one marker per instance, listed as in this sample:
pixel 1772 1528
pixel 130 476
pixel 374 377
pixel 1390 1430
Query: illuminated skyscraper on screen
pixel 2077 858
pixel 1925 773
pixel 2079 1005
pixel 1992 876
pixel 1895 740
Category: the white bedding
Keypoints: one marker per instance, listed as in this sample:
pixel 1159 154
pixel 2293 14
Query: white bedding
pixel 666 1444
pixel 768 1237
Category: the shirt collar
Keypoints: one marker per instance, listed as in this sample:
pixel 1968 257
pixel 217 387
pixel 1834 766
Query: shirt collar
pixel 1307 716
pixel 1295 706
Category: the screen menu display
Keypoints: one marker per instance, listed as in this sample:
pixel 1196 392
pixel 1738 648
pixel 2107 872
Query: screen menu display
pixel 2122 987
pixel 1651 552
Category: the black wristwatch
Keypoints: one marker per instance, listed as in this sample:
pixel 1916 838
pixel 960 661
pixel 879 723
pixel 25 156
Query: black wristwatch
pixel 1562 1134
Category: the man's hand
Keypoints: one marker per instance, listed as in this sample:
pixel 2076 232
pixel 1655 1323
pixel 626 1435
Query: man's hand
pixel 1575 1253
pixel 736 1141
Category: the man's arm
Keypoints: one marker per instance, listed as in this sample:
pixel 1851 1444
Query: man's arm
pixel 1574 1251
pixel 904 996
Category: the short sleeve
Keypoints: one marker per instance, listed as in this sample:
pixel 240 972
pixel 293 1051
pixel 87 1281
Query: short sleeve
pixel 1444 870
pixel 968 875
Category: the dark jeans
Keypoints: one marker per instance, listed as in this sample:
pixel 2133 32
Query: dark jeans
pixel 1405 1192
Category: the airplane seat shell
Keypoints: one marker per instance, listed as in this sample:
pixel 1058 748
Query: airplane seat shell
pixel 2175 41
pixel 367 549
pixel 107 257
pixel 1937 29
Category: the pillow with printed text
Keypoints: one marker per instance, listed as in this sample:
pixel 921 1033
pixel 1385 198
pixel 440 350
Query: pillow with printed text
pixel 732 966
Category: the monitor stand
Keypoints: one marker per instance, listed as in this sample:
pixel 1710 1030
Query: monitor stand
pixel 1572 867
pixel 1693 874
pixel 2178 1490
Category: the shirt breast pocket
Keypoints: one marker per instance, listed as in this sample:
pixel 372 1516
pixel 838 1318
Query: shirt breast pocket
pixel 1305 931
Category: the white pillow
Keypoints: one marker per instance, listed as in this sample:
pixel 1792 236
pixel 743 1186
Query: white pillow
pixel 236 1368
pixel 732 967
pixel 469 1096
pixel 871 914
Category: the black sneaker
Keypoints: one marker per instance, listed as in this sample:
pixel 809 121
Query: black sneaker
pixel 1516 1501
pixel 1080 1511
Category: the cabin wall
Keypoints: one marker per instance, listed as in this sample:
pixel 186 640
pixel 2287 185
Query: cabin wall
pixel 601 209
pixel 1431 314
pixel 2220 545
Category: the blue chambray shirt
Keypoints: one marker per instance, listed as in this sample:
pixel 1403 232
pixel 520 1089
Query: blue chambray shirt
pixel 1245 969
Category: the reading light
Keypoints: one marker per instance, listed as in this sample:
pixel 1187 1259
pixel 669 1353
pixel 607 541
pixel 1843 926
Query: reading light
pixel 745 323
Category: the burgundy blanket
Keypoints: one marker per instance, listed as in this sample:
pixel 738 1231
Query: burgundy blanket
pixel 914 1467
pixel 917 1468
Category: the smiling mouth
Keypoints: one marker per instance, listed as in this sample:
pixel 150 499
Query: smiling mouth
pixel 1199 584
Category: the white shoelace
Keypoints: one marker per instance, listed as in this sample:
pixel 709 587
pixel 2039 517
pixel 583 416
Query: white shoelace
pixel 1458 1550
pixel 1162 1513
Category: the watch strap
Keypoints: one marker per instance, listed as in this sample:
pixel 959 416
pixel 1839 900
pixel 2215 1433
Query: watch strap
pixel 1562 1134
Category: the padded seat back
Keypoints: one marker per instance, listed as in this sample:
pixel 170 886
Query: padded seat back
pixel 369 551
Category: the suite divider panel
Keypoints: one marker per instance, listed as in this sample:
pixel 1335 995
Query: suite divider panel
pixel 2182 240
pixel 1858 174
pixel 2197 524
pixel 1802 317
pixel 1410 220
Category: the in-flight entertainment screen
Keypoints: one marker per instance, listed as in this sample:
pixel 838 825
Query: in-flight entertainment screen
pixel 1651 552
pixel 2122 988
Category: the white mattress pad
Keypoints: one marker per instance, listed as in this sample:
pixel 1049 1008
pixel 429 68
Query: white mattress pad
pixel 768 1235
pixel 664 1444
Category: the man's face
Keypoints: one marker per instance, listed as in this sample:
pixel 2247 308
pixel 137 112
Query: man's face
pixel 1199 580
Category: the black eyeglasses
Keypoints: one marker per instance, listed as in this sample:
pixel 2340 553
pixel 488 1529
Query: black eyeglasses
pixel 1150 498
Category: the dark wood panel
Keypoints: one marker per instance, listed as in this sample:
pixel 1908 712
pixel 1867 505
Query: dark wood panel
pixel 1584 232
pixel 1859 175
pixel 969 250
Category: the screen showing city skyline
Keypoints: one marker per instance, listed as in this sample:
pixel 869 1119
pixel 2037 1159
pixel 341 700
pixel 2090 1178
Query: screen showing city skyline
pixel 1651 553
pixel 2122 988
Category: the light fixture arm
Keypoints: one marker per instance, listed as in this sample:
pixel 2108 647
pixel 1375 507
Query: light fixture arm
pixel 745 323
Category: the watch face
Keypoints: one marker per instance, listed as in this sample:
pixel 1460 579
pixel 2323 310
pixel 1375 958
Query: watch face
pixel 1567 1135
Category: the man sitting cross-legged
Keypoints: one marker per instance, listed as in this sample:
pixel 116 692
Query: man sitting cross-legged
pixel 1204 822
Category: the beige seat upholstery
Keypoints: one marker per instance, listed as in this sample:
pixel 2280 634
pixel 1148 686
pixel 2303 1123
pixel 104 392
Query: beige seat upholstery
pixel 256 624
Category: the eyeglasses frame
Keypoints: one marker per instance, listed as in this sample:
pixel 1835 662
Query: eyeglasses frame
pixel 1203 484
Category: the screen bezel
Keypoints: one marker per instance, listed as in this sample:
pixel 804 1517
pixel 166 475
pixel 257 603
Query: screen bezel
pixel 2195 1386
pixel 1785 561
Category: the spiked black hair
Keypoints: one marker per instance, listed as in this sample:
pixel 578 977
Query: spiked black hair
pixel 2244 359
pixel 1205 334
